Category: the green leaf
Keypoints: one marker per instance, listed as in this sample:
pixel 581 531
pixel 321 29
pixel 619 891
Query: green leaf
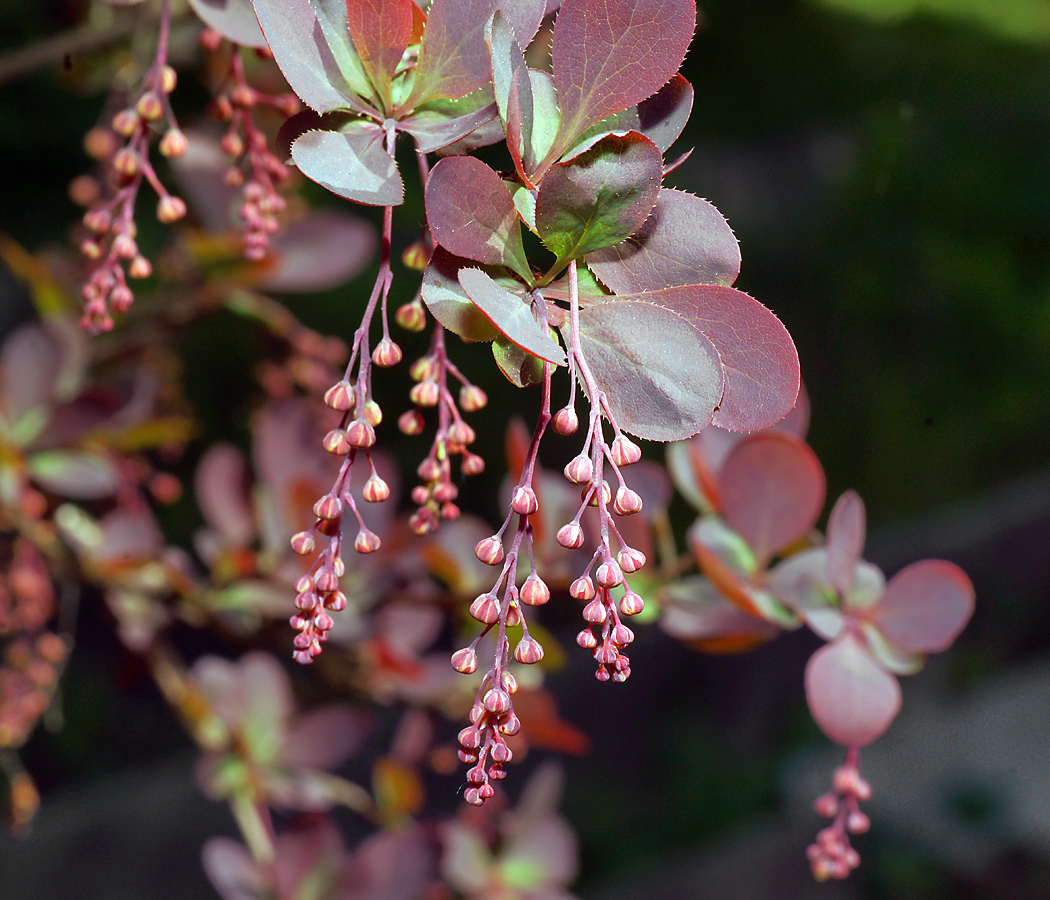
pixel 600 197
pixel 511 315
pixel 521 368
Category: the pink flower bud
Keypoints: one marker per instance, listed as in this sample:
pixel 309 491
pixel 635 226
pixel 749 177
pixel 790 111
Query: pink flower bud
pixel 490 551
pixel 125 122
pixel 501 753
pixel 565 421
pixel 423 369
pixel 140 267
pixel 622 636
pixel 582 588
pixel 472 464
pixel 627 502
pixel 340 396
pixel 335 442
pixel 425 394
pixel 857 822
pixel 411 423
pixel 826 805
pixel 586 639
pixel 570 536
pixel 497 701
pixel 149 107
pixel 595 612
pixel 534 592
pixel 326 581
pixel 411 317
pixel 579 470
pixel 465 662
pixel 328 507
pixel 602 674
pixel 525 502
pixel 373 414
pixel 485 608
pixel 510 725
pixel 367 541
pixel 528 651
pixel 470 737
pixel 173 144
pixel 609 575
pixel 472 398
pixel 303 543
pixel 375 490
pixel 386 353
pixel 631 603
pixel 360 434
pixel 461 433
pixel 336 601
pixel 631 560
pixel 168 79
pixel 625 452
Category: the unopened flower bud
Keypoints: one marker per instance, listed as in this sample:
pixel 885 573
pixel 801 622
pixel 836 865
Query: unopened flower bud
pixel 386 353
pixel 631 604
pixel 360 434
pixel 168 78
pixel 591 496
pixel 631 560
pixel 303 543
pixel 411 317
pixel 496 701
pixel 565 421
pixel 126 162
pixel 472 464
pixel 472 398
pixel 423 369
pixel 149 107
pixel 415 256
pixel 173 144
pixel 622 636
pixel 461 433
pixel 570 536
pixel 490 551
pixel 335 442
pixel 534 592
pixel 336 601
pixel 525 502
pixel 140 267
pixel 625 452
pixel 582 588
pixel 367 541
pixel 340 396
pixel 125 122
pixel 465 662
pixel 375 490
pixel 124 246
pixel 244 96
pixel 326 581
pixel 411 422
pixel 170 209
pixel 328 507
pixel 510 725
pixel 485 608
pixel 373 413
pixel 231 144
pixel 609 575
pixel 528 651
pixel 211 40
pixel 425 394
pixel 91 249
pixel 595 612
pixel 586 639
pixel 627 502
pixel 579 470
pixel 857 822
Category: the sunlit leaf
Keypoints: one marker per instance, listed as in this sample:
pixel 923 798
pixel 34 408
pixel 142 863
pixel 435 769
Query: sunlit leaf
pixel 438 124
pixel 925 606
pixel 381 30
pixel 521 368
pixel 233 19
pixel 449 303
pixel 352 163
pixel 845 541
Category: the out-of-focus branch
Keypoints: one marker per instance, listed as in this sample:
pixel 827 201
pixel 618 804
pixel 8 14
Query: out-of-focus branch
pixel 51 51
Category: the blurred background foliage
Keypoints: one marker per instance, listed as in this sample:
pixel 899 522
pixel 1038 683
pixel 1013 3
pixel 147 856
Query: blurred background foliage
pixel 885 165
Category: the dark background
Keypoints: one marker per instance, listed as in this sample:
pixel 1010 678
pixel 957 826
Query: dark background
pixel 888 182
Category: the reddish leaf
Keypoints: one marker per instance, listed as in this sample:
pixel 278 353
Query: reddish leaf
pixel 30 360
pixel 310 40
pixel 471 214
pixel 352 163
pixel 232 870
pixel 323 738
pixel 381 30
pixel 772 490
pixel 845 541
pixel 220 484
pixel 512 86
pixel 233 19
pixel 851 698
pixel 757 353
pixel 511 316
pixel 453 59
pixel 441 123
pixel 925 606
pixel 83 475
pixel 696 613
pixel 599 197
pixel 684 241
pixel 608 56
pixel 449 303
pixel 319 252
pixel 661 376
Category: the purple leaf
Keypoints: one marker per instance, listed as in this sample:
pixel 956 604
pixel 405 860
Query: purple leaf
pixel 324 738
pixel 610 55
pixel 30 360
pixel 389 865
pixel 772 490
pixel 684 241
pixel 845 541
pixel 441 123
pixel 453 58
pixel 757 353
pixel 320 251
pixel 310 40
pixel 925 606
pixel 600 197
pixel 511 315
pixel 471 214
pixel 232 870
pixel 220 484
pixel 449 303
pixel 661 376
pixel 233 19
pixel 381 30
pixel 694 611
pixel 72 473
pixel 851 698
pixel 512 86
pixel 352 163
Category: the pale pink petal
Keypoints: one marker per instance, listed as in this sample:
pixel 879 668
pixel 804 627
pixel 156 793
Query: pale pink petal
pixel 232 870
pixel 772 489
pixel 221 483
pixel 324 738
pixel 851 698
pixel 891 657
pixel 845 541
pixel 925 606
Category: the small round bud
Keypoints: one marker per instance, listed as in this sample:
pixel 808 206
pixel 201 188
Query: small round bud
pixel 472 398
pixel 91 249
pixel 335 442
pixel 411 317
pixel 582 588
pixel 423 369
pixel 609 575
pixel 373 413
pixel 221 108
pixel 465 662
pixel 340 396
pixel 461 433
pixel 565 421
pixel 497 701
pixel 586 639
pixel 367 541
pixel 528 651
pixel 360 434
pixel 490 551
pixel 244 96
pixel 173 144
pixel 170 209
pixel 423 521
pixel 631 560
pixel 326 581
pixel 425 394
pixel 233 177
pixel 857 822
pixel 631 604
pixel 591 496
pixel 627 502
pixel 336 601
pixel 140 267
pixel 168 79
pixel 429 470
pixel 534 592
pixel 625 452
pixel 525 502
pixel 510 725
pixel 570 536
pixel 386 354
pixel 231 144
pixel 98 220
pixel 579 470
pixel 124 246
pixel 415 256
pixel 472 464
pixel 126 162
pixel 149 107
pixel 513 618
pixel 375 490
pixel 328 507
pixel 303 543
pixel 84 190
pixel 125 122
pixel 211 40
pixel 411 423
pixel 485 608
pixel 501 753
pixel 595 612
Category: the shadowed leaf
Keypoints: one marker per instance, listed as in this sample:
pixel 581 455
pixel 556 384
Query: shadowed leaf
pixel 600 197
pixel 851 698
pixel 319 252
pixel 521 368
pixel 925 606
pixel 772 491
pixel 511 315
pixel 233 19
pixel 440 123
pixel 449 303
pixel 71 473
pixel 352 163
pixel 661 376
pixel 471 214
pixel 220 485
